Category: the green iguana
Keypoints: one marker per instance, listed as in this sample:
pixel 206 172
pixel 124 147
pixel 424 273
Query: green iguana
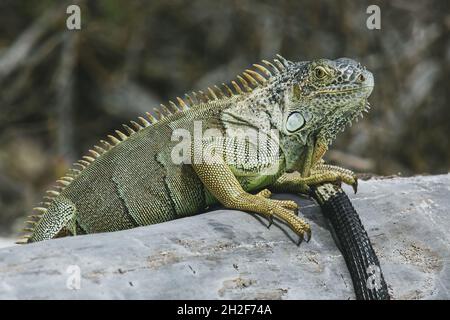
pixel 136 179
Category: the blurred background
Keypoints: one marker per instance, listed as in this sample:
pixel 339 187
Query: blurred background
pixel 61 91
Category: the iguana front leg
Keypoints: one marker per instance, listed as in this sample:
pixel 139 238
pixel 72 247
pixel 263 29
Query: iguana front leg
pixel 221 182
pixel 316 173
pixel 321 172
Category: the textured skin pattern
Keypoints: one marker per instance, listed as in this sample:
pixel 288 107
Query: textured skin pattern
pixel 132 180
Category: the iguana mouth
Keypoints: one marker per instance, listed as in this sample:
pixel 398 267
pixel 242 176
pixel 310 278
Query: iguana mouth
pixel 336 91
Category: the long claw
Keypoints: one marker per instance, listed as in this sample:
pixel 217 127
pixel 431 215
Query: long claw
pixel 308 235
pixel 339 181
pixel 300 239
pixel 308 190
pixel 270 222
pixel 355 186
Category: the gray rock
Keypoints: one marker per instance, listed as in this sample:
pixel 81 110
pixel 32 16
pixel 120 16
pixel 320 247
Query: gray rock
pixel 6 242
pixel 230 254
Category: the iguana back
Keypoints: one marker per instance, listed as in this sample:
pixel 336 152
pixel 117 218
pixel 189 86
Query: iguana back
pixel 132 183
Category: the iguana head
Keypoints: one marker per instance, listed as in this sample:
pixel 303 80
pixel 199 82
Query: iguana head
pixel 324 96
pixel 302 101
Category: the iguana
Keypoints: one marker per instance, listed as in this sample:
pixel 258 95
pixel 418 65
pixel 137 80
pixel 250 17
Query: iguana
pixel 137 178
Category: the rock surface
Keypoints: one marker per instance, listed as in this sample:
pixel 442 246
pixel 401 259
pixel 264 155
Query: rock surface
pixel 229 254
pixel 6 242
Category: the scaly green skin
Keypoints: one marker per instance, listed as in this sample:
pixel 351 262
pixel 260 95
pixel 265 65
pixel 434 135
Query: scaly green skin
pixel 135 181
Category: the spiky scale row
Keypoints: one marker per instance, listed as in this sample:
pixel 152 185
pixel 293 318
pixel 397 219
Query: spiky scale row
pixel 164 110
pixel 263 69
pixel 252 78
pixel 230 92
pixel 63 182
pixel 203 97
pixel 100 150
pixel 75 171
pixel 121 135
pixel 151 118
pixel 253 74
pixel 236 87
pixel 34 220
pixel 40 209
pixel 52 193
pixel 88 159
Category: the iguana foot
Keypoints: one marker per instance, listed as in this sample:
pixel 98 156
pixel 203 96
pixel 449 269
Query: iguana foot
pixel 288 204
pixel 271 208
pixel 319 174
pixel 286 210
pixel 232 195
pixel 322 173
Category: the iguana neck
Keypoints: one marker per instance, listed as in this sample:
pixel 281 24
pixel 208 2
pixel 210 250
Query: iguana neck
pixel 337 123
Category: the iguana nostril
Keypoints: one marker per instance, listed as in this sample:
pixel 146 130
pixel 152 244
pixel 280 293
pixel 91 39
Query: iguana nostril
pixel 361 78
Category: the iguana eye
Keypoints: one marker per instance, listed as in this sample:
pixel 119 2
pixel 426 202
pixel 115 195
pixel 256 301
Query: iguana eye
pixel 320 72
pixel 295 122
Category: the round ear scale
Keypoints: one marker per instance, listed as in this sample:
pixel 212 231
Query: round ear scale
pixel 295 121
